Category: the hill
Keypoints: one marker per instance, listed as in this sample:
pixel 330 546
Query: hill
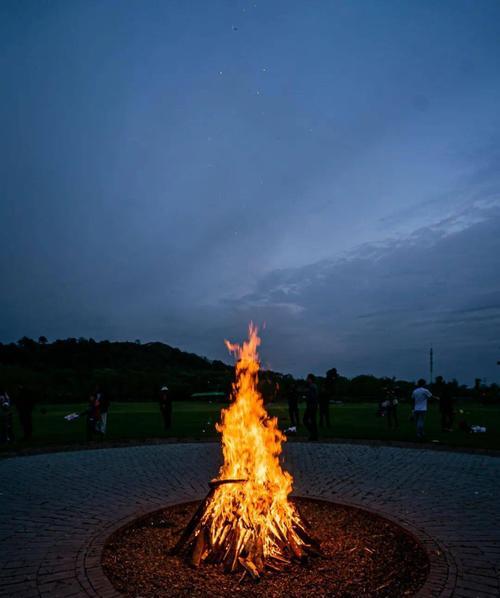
pixel 68 370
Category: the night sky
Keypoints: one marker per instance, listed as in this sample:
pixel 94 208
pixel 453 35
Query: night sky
pixel 172 170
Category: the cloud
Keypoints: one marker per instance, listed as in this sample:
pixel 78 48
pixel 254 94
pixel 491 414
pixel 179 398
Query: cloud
pixel 467 201
pixel 378 309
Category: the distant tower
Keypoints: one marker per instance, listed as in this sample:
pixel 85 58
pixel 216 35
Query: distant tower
pixel 431 366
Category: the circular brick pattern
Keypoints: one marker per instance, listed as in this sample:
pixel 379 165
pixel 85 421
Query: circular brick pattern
pixel 56 510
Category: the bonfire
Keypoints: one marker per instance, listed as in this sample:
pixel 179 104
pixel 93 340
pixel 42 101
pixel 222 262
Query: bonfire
pixel 246 522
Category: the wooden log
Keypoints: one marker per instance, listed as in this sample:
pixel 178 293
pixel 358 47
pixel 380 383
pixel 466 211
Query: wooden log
pixel 199 547
pixel 193 524
pixel 208 537
pixel 295 548
pixel 219 539
pixel 281 559
pixel 216 552
pixel 249 547
pixel 259 554
pixel 225 532
pixel 217 483
pixel 312 550
pixel 274 566
pixel 237 552
pixel 207 549
pixel 229 555
pixel 306 538
pixel 249 566
pixel 301 516
pixel 200 511
pixel 280 535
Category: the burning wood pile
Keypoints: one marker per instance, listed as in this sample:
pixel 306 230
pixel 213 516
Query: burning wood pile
pixel 246 523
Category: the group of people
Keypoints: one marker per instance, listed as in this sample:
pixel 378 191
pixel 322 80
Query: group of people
pixel 95 414
pixel 420 396
pixel 387 408
pixel 98 407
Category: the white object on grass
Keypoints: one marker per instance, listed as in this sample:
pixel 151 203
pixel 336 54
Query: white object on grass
pixel 71 416
pixel 476 429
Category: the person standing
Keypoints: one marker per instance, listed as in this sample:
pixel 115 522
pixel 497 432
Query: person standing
pixel 443 391
pixel 166 407
pixel 6 428
pixel 391 408
pixel 293 407
pixel 102 400
pixel 420 397
pixel 310 415
pixel 25 405
pixel 330 393
pixel 92 413
pixel 396 395
pixel 324 410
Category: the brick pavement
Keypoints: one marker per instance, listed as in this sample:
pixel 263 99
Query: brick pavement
pixel 56 510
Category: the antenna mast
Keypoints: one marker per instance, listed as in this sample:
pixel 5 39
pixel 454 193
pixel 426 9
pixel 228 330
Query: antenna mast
pixel 431 365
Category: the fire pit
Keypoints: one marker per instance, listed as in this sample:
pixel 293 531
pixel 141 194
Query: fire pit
pixel 363 555
pixel 247 530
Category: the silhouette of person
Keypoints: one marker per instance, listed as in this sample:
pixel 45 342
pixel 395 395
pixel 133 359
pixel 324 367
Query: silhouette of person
pixel 293 406
pixel 324 398
pixel 166 407
pixel 420 397
pixel 444 392
pixel 25 404
pixel 391 407
pixel 310 414
pixel 102 399
pixel 6 427
pixel 92 413
pixel 324 410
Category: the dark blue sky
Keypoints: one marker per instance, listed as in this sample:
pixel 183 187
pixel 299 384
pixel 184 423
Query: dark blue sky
pixel 171 170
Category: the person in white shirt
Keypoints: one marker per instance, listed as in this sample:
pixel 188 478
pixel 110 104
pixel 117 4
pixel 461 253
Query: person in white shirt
pixel 420 397
pixel 6 427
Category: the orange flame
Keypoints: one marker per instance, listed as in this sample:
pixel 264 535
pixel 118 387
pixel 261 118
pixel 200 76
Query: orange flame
pixel 256 507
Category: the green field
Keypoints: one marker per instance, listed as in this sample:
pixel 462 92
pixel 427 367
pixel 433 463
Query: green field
pixel 196 421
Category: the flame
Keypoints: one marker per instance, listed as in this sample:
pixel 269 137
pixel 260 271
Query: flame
pixel 255 506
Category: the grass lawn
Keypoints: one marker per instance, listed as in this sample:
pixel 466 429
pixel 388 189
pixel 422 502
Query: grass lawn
pixel 196 420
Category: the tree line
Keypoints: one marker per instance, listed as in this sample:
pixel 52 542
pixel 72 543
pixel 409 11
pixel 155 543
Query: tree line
pixel 67 370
